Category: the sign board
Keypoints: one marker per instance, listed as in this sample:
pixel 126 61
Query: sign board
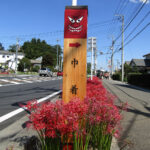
pixel 75 47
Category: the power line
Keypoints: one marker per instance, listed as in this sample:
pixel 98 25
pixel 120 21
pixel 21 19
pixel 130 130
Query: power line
pixel 133 18
pixel 137 25
pixel 118 49
pixel 116 11
pixel 137 34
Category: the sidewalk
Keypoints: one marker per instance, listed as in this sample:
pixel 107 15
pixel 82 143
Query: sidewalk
pixel 16 135
pixel 136 120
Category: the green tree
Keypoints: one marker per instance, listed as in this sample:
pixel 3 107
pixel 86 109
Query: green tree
pixel 1 47
pixel 48 60
pixel 24 64
pixel 88 68
pixel 37 48
pixel 12 48
pixel 127 69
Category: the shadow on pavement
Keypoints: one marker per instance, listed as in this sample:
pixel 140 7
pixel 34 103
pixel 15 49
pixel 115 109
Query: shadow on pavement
pixel 134 87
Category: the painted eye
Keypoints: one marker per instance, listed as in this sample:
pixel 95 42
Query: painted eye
pixel 71 20
pixel 79 20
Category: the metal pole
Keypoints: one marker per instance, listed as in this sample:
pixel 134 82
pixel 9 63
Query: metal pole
pixel 112 56
pixel 122 48
pixel 57 54
pixel 61 64
pixel 95 53
pixel 74 2
pixel 17 47
pixel 92 60
pixel 122 56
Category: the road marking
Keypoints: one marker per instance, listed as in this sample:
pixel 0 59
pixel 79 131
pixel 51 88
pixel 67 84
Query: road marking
pixel 39 80
pixel 17 79
pixel 17 111
pixel 24 78
pixel 1 85
pixel 9 81
pixel 27 81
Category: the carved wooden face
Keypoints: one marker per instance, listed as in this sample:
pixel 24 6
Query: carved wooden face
pixel 75 23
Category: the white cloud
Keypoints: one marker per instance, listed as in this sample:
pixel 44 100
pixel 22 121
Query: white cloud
pixel 140 1
pixel 134 1
pixel 143 1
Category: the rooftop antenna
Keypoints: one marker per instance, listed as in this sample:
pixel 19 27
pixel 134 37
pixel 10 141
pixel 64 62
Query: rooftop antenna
pixel 74 2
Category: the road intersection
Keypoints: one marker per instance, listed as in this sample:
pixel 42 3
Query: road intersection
pixel 7 81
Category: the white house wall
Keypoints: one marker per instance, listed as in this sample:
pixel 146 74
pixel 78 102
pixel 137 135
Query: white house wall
pixel 10 58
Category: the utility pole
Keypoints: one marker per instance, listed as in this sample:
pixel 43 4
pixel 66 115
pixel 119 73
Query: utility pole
pixel 95 56
pixel 16 58
pixel 92 46
pixel 57 55
pixel 112 56
pixel 118 64
pixel 92 62
pixel 122 47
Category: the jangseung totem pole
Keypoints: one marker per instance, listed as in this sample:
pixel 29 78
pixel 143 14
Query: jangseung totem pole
pixel 75 48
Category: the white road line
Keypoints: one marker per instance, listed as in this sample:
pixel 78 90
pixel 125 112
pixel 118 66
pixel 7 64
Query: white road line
pixel 27 81
pixel 17 111
pixel 24 78
pixel 1 85
pixel 17 79
pixel 9 81
pixel 39 80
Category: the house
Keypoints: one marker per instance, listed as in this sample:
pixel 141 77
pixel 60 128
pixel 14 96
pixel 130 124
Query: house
pixel 36 62
pixel 147 56
pixel 142 65
pixel 127 62
pixel 9 59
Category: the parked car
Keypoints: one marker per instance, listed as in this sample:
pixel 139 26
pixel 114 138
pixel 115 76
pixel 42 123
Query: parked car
pixel 45 72
pixel 59 73
pixel 2 69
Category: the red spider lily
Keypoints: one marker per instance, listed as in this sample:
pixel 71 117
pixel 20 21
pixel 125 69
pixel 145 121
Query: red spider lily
pixel 31 105
pixel 61 120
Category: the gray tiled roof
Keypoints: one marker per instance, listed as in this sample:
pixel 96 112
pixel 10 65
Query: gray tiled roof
pixel 127 62
pixel 141 62
pixel 146 55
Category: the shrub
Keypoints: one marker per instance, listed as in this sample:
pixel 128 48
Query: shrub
pixel 142 80
pixel 88 123
pixel 116 76
pixel 35 69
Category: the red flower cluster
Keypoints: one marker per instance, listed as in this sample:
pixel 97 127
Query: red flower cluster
pixel 101 108
pixel 59 119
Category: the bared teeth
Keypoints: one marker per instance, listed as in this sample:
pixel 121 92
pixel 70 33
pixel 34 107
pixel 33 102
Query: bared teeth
pixel 72 29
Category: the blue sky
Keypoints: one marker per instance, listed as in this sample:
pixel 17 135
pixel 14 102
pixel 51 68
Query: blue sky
pixel 44 19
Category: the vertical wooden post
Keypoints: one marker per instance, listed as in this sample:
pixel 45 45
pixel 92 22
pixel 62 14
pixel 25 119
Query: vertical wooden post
pixel 75 48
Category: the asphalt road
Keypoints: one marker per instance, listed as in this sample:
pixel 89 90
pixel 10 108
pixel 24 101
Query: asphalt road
pixel 12 96
pixel 135 134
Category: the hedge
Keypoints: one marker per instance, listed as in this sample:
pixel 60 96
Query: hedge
pixel 116 76
pixel 142 80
